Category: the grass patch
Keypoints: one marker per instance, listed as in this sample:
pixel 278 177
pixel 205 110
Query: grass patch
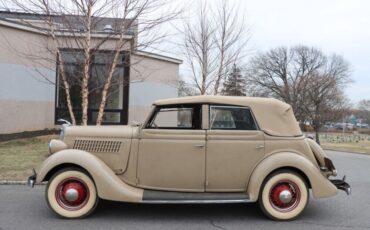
pixel 18 157
pixel 361 147
pixel 356 143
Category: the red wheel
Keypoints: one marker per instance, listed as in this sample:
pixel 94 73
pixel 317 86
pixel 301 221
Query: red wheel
pixel 71 193
pixel 283 195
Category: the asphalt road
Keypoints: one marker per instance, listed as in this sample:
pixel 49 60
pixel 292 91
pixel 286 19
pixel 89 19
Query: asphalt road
pixel 25 208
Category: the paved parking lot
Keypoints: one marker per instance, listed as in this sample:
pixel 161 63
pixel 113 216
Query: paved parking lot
pixel 25 208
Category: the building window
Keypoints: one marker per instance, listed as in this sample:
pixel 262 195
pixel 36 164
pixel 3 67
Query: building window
pixel 116 109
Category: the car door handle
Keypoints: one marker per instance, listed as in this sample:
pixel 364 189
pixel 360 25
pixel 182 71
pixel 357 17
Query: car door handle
pixel 199 146
pixel 260 146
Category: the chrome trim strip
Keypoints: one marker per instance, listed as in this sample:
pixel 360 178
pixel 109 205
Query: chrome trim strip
pixel 195 201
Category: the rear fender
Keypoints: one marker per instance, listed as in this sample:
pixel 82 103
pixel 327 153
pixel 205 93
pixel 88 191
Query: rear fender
pixel 321 186
pixel 108 185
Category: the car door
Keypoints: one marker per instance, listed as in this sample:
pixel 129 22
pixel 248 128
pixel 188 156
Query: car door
pixel 172 150
pixel 234 146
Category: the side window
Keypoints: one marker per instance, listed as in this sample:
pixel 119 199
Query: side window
pixel 176 118
pixel 231 118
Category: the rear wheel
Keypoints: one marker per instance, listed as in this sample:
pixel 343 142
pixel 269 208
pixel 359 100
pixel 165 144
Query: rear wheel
pixel 284 195
pixel 71 193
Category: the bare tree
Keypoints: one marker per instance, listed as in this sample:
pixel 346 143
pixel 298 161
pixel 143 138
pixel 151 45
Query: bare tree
pixel 302 76
pixel 185 89
pixel 364 105
pixel 197 49
pixel 213 40
pixel 72 23
pixel 364 109
pixel 325 91
pixel 283 73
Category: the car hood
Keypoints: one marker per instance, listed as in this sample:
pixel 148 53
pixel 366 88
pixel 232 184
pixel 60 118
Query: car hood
pixel 116 131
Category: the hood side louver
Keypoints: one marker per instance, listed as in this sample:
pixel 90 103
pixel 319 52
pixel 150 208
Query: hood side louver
pixel 98 146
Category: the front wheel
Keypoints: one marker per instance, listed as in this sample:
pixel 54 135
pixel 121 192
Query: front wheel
pixel 284 195
pixel 71 193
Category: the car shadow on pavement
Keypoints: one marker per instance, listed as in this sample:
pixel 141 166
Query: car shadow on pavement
pixel 191 212
pixel 119 210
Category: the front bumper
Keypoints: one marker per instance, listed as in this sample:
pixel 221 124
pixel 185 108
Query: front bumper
pixel 32 179
pixel 342 185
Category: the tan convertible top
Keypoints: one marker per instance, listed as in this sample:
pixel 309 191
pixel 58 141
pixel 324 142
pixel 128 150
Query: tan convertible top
pixel 273 116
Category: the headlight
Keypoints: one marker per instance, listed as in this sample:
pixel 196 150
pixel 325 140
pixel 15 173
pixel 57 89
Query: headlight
pixel 56 145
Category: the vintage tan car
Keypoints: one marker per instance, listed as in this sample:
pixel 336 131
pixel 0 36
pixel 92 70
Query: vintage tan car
pixel 202 149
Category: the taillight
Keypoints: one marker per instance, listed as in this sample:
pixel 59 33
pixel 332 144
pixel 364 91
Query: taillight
pixel 330 166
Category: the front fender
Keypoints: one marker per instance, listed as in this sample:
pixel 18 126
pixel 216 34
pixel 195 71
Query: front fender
pixel 108 185
pixel 321 186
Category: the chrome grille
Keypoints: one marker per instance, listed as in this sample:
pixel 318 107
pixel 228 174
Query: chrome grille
pixel 98 146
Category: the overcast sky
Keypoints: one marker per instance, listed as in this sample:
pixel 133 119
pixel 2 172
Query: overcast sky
pixel 340 26
pixel 334 26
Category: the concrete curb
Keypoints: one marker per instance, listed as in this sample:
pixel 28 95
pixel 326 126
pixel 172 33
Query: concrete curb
pixel 10 182
pixel 346 151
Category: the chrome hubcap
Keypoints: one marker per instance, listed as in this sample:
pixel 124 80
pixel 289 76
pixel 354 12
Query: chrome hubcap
pixel 71 195
pixel 285 196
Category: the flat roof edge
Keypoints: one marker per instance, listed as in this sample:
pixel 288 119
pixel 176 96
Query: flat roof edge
pixel 41 31
pixel 157 56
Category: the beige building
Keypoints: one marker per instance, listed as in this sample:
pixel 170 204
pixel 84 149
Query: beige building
pixel 32 97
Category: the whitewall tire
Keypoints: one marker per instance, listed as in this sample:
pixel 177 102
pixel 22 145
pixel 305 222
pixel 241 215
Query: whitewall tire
pixel 283 195
pixel 71 193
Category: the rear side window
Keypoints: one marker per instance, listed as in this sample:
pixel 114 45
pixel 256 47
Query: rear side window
pixel 231 118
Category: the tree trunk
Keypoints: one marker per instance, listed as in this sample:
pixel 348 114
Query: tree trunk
pixel 62 71
pixel 86 73
pixel 107 85
pixel 220 69
pixel 317 124
pixel 317 136
pixel 203 89
pixel 66 89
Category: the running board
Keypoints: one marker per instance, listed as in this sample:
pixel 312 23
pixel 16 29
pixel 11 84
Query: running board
pixel 160 197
